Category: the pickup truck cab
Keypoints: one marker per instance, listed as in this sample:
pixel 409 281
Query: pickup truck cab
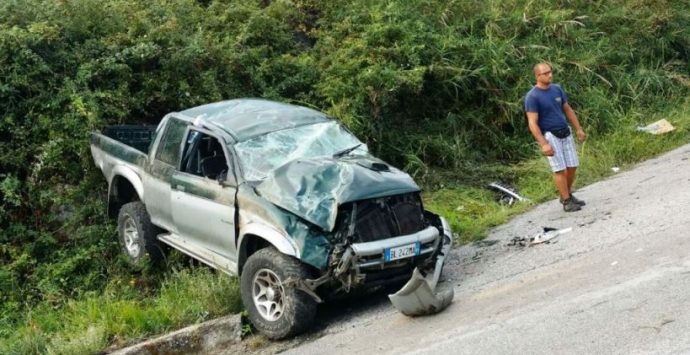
pixel 278 194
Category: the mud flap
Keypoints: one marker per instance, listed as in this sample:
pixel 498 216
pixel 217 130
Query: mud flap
pixel 419 297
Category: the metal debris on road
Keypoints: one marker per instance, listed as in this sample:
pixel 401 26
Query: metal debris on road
pixel 544 237
pixel 548 234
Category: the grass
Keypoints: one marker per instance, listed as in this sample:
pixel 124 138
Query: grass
pixel 472 209
pixel 121 315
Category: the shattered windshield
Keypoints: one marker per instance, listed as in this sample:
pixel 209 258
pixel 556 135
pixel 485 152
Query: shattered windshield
pixel 262 154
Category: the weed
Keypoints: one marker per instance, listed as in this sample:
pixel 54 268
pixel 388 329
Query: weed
pixel 434 87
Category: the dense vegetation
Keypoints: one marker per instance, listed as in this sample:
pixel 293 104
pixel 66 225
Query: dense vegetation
pixel 432 86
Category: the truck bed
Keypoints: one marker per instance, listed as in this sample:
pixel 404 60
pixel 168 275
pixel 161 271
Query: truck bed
pixel 123 144
pixel 138 137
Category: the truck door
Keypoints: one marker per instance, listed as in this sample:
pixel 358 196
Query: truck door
pixel 203 194
pixel 161 167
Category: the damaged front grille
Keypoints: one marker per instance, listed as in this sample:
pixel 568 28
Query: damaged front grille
pixel 385 217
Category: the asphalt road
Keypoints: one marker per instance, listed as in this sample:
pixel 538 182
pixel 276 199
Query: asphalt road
pixel 618 283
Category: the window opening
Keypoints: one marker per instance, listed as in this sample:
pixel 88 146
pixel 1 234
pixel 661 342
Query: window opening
pixel 204 156
pixel 169 147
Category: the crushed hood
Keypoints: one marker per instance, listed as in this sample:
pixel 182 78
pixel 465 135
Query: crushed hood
pixel 314 188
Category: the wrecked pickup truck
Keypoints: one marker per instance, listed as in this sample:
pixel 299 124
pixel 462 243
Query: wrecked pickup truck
pixel 280 195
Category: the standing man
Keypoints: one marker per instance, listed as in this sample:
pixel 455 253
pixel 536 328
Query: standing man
pixel 547 108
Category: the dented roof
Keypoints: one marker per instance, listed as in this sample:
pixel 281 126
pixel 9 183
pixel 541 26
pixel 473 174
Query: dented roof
pixel 248 118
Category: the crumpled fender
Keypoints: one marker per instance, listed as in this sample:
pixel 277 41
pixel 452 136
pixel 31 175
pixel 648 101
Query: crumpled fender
pixel 287 232
pixel 279 241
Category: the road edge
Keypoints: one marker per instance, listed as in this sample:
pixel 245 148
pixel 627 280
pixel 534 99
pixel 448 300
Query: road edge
pixel 217 333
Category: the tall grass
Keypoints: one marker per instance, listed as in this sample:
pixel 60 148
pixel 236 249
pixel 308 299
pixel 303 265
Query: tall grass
pixel 120 315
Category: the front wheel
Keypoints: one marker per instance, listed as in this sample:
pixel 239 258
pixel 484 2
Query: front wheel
pixel 276 309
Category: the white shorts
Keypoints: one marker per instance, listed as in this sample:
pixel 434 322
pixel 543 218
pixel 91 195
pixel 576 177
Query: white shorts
pixel 564 153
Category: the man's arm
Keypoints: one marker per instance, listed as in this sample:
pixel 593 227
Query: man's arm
pixel 572 117
pixel 532 120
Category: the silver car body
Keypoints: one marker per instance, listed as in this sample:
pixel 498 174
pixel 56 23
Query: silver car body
pixel 292 202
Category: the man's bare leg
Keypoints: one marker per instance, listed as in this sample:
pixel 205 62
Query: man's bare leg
pixel 570 174
pixel 560 178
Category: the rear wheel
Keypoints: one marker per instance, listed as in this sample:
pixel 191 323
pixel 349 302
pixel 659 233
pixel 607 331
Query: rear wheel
pixel 276 309
pixel 138 234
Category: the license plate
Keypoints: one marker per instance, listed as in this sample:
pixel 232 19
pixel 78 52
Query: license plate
pixel 401 252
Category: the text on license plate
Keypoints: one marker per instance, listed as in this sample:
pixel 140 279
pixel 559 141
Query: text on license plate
pixel 402 252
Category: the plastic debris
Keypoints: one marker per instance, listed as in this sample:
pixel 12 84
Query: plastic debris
pixel 544 237
pixel 518 242
pixel 658 127
pixel 548 234
pixel 419 296
pixel 615 169
pixel 508 195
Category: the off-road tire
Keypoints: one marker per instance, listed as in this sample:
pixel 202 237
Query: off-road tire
pixel 299 309
pixel 133 215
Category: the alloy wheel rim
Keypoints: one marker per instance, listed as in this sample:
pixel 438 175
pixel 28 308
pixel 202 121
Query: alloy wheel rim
pixel 131 236
pixel 268 294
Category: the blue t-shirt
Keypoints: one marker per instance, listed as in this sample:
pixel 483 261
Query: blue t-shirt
pixel 548 104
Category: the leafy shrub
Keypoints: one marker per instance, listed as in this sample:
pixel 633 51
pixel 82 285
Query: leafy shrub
pixel 427 84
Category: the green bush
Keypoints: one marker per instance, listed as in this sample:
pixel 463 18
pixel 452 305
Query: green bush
pixel 429 85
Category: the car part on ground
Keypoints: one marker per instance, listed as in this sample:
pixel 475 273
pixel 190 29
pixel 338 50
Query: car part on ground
pixel 419 297
pixel 548 234
pixel 543 237
pixel 508 195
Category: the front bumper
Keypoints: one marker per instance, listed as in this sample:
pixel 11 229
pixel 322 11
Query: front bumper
pixel 371 254
pixel 365 263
